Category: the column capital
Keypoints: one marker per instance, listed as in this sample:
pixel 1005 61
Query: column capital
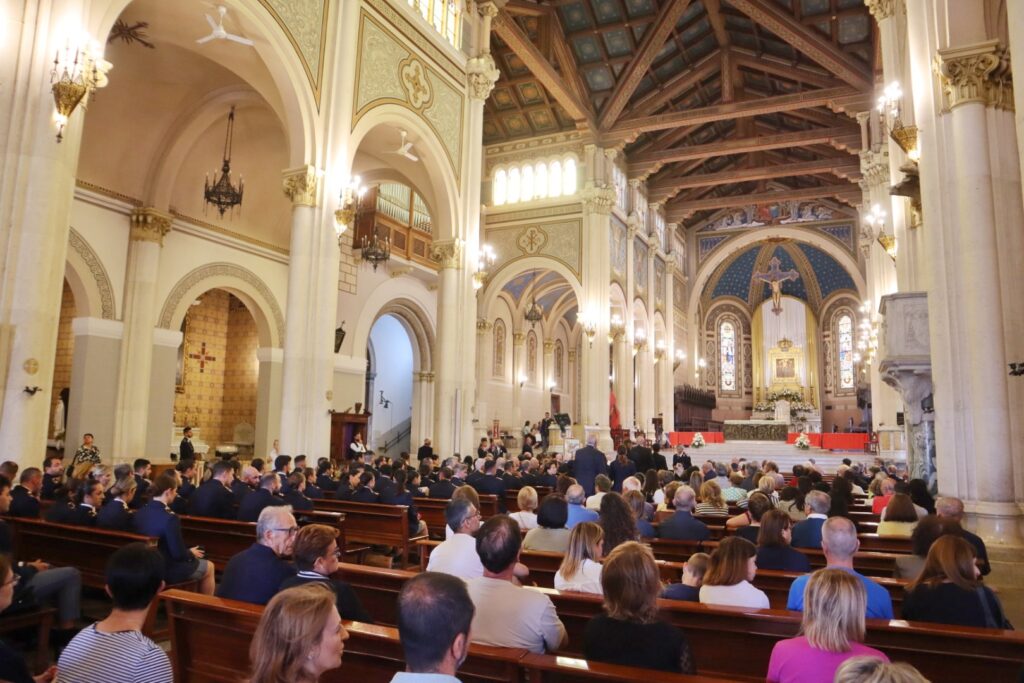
pixel 598 200
pixel 884 9
pixel 424 376
pixel 976 73
pixel 483 326
pixel 874 167
pixel 490 8
pixel 300 185
pixel 549 346
pixel 481 75
pixel 447 253
pixel 518 338
pixel 149 225
pixel 572 356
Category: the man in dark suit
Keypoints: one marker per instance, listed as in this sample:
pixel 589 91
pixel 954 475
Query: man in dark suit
pixel 187 471
pixel 659 460
pixel 142 469
pixel 384 483
pixel 186 451
pixel 296 494
pixel 425 451
pixel 642 456
pixel 588 463
pixel 443 487
pixel 53 477
pixel 489 483
pixel 263 497
pixel 25 496
pixel 807 534
pixel 247 480
pixel 682 526
pixel 255 574
pixel 214 497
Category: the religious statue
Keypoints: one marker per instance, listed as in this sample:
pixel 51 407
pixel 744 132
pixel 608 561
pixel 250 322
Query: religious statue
pixel 775 277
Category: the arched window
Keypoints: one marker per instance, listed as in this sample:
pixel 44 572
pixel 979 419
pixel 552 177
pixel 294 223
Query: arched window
pixel 499 188
pixel 531 356
pixel 559 353
pixel 540 180
pixel 727 353
pixel 498 369
pixel 844 346
pixel 443 15
pixel 529 188
pixel 513 186
pixel 555 179
pixel 569 177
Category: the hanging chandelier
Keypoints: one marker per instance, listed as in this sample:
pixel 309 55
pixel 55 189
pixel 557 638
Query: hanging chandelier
pixel 375 248
pixel 535 313
pixel 223 194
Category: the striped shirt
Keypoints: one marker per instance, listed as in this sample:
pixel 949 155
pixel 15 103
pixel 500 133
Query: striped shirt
pixel 96 657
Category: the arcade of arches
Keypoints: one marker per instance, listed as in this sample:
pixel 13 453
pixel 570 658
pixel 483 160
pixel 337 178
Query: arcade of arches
pixel 600 208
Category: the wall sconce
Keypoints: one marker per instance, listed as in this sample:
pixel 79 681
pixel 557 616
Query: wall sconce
pixel 889 104
pixel 351 198
pixel 32 391
pixel 551 385
pixel 659 350
pixel 77 72
pixel 639 339
pixel 680 356
pixel 888 243
pixel 589 326
pixel 522 379
pixel 616 328
pixel 485 259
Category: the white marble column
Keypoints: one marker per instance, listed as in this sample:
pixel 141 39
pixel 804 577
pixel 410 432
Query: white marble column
pixel 484 363
pixel 548 380
pixel 455 359
pixel 307 377
pixel 160 423
pixel 572 372
pixel 37 183
pixel 268 398
pixel 666 389
pixel 131 417
pixel 518 374
pixel 422 409
pixel 623 363
pixel 93 395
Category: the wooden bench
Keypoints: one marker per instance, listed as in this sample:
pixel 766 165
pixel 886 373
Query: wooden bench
pixel 941 653
pixel 432 512
pixel 40 619
pixel 210 640
pixel 375 523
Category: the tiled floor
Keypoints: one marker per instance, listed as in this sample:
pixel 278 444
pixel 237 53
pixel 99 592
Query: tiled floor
pixel 1007 578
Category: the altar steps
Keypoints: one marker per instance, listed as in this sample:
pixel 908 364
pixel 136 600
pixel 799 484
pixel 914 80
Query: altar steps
pixel 783 454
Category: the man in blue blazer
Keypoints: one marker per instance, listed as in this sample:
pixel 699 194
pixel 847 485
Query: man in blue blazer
pixel 265 496
pixel 682 526
pixel 255 574
pixel 807 534
pixel 588 463
pixel 214 498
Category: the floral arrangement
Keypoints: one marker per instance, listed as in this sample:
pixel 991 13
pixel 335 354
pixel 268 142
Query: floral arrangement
pixel 802 442
pixel 791 395
pixel 698 441
pixel 763 407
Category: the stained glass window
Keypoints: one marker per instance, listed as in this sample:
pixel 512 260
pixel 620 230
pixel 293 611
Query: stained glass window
pixel 845 346
pixel 727 349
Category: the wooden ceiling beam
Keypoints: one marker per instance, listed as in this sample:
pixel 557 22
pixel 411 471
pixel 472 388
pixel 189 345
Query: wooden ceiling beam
pixel 507 29
pixel 730 110
pixel 566 62
pixel 677 85
pixel 648 162
pixel 678 211
pixel 820 50
pixel 653 40
pixel 775 67
pixel 662 191
pixel 523 8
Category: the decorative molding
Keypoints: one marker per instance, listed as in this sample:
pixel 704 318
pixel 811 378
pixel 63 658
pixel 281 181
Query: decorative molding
pixel 549 346
pixel 532 214
pixel 563 243
pixel 598 200
pixel 112 194
pixel 300 185
pixel 213 270
pixel 414 82
pixel 518 338
pixel 976 73
pixel 196 227
pixel 304 22
pixel 884 9
pixel 98 272
pixel 98 327
pixel 447 253
pixel 417 38
pixel 482 325
pixel 481 75
pixel 149 225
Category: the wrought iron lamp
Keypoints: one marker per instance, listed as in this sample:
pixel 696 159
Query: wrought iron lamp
pixel 535 313
pixel 76 74
pixel 375 248
pixel 223 194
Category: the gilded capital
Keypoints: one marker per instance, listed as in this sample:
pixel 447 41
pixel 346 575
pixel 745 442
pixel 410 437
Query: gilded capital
pixel 572 356
pixel 549 346
pixel 149 225
pixel 976 73
pixel 598 200
pixel 483 326
pixel 446 253
pixel 883 9
pixel 300 185
pixel 518 338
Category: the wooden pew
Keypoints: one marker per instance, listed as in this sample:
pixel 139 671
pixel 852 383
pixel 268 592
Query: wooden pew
pixel 432 512
pixel 41 620
pixel 375 524
pixel 716 634
pixel 210 640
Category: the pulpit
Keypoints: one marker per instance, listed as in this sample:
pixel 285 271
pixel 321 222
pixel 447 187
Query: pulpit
pixel 344 427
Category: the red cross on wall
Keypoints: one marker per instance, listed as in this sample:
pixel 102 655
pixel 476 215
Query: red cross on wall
pixel 202 357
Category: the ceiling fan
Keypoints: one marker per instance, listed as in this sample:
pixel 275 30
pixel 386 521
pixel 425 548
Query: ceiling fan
pixel 218 32
pixel 405 149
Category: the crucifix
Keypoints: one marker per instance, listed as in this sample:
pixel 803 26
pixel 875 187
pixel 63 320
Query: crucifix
pixel 202 357
pixel 775 277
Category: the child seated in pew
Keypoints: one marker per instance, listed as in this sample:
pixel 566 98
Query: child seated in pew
pixel 832 631
pixel 581 568
pixel 693 577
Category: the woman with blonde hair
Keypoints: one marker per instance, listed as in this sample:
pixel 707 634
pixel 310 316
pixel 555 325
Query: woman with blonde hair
pixel 765 485
pixel 526 517
pixel 115 514
pixel 871 670
pixel 832 631
pixel 299 637
pixel 948 591
pixel 728 579
pixel 711 502
pixel 630 632
pixel 581 568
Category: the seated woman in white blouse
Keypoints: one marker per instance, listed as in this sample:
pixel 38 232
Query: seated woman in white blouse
pixel 581 568
pixel 731 569
pixel 526 517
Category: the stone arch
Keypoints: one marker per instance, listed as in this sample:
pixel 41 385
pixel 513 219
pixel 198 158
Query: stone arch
pixel 241 282
pixel 510 270
pixel 410 306
pixel 89 281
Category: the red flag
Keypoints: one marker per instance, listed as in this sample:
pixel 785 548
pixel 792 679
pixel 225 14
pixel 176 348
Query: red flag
pixel 613 419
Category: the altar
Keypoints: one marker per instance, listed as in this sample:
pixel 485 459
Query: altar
pixel 755 430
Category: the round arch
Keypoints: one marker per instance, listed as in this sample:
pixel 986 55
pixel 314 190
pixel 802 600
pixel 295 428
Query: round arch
pixel 512 269
pixel 88 279
pixel 241 282
pixel 410 306
pixel 753 237
pixel 442 197
pixel 278 55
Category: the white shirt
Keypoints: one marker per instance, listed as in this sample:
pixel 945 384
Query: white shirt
pixel 525 520
pixel 742 594
pixel 513 616
pixel 456 556
pixel 659 497
pixel 586 580
pixel 594 502
pixel 409 677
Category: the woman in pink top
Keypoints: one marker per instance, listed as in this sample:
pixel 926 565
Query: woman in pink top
pixel 831 633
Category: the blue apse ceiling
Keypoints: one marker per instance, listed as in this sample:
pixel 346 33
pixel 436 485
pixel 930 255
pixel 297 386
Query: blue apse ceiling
pixel 830 275
pixel 520 283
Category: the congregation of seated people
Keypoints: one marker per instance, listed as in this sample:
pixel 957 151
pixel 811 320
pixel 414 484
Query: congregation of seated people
pixel 599 515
